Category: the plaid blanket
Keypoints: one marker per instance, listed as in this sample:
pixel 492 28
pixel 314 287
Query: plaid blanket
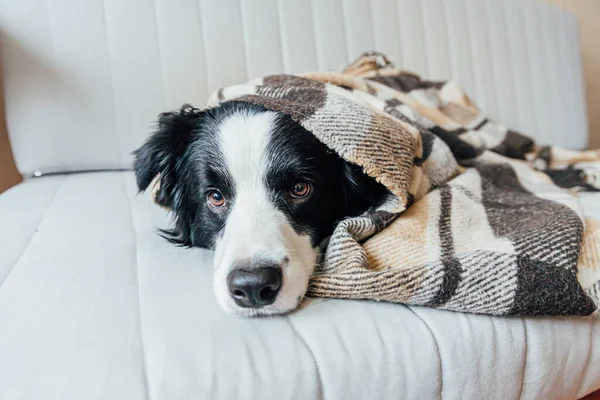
pixel 478 219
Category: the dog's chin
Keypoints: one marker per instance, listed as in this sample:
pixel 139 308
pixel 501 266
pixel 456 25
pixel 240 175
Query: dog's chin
pixel 271 310
pixel 292 292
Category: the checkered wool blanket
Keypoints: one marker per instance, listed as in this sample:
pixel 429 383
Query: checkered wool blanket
pixel 479 218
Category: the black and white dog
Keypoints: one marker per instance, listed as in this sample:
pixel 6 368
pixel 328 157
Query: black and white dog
pixel 257 188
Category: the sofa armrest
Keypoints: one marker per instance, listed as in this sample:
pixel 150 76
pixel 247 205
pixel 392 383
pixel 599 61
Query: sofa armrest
pixel 9 175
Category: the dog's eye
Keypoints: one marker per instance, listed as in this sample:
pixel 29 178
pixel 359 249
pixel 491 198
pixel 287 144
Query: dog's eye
pixel 216 199
pixel 300 189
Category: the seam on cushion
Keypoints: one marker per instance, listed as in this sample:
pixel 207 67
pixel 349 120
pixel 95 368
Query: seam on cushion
pixel 50 203
pixel 244 40
pixel 490 56
pixel 525 360
pixel 532 109
pixel 474 74
pixel 398 25
pixel 161 58
pixel 437 348
pixel 313 21
pixel 541 55
pixel 321 394
pixel 282 42
pixel 372 22
pixel 53 61
pixel 426 56
pixel 199 15
pixel 589 356
pixel 346 32
pixel 137 276
pixel 563 101
pixel 514 70
pixel 446 19
pixel 110 59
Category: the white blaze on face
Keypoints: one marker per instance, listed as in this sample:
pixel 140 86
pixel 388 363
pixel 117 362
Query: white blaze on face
pixel 255 229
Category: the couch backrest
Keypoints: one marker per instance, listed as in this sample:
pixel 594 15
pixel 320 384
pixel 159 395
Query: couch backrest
pixel 84 80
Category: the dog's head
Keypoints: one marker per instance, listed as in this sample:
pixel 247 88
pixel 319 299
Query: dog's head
pixel 259 190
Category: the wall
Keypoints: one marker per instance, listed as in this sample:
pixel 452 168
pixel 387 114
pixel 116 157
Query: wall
pixel 588 14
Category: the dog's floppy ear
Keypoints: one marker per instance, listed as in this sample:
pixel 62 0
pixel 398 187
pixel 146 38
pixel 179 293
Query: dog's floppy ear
pixel 360 190
pixel 156 161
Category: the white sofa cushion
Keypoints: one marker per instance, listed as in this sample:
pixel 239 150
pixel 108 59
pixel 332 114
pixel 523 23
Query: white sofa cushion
pixel 95 305
pixel 84 80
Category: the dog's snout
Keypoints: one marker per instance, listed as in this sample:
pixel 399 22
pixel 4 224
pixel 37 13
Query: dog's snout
pixel 254 288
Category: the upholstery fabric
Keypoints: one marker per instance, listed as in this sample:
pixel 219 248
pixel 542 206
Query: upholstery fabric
pixel 84 81
pixel 95 305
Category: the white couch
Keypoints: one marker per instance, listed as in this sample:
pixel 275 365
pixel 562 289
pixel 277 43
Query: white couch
pixel 94 305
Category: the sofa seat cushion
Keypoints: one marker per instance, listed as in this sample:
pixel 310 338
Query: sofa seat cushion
pixel 94 304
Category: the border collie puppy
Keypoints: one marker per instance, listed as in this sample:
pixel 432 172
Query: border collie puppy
pixel 259 190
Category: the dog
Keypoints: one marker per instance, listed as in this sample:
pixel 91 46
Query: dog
pixel 258 189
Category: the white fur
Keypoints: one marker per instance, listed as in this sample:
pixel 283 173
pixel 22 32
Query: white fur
pixel 255 228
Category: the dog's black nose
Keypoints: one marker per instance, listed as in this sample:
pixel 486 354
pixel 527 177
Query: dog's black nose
pixel 254 287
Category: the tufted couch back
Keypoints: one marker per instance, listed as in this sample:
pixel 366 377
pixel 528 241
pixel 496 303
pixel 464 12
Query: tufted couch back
pixel 84 80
